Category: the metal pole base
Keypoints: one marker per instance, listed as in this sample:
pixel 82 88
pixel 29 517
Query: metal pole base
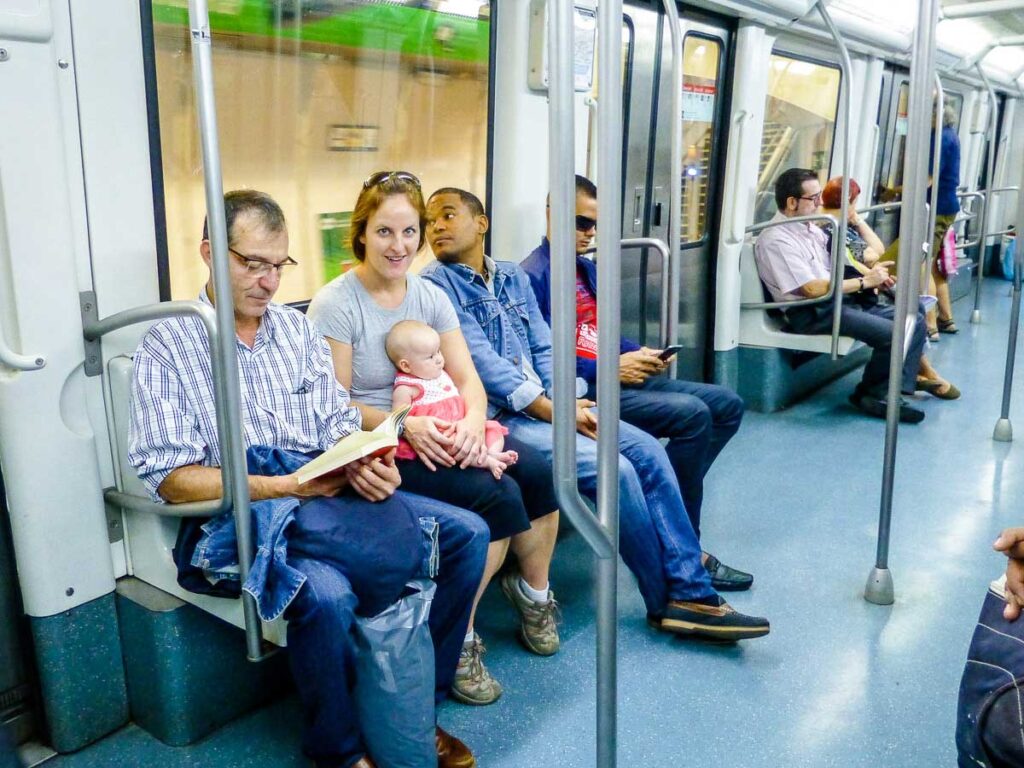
pixel 976 317
pixel 879 588
pixel 1003 432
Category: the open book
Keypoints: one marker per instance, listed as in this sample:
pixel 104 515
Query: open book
pixel 355 446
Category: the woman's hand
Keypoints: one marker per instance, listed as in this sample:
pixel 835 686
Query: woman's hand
pixel 426 436
pixel 467 436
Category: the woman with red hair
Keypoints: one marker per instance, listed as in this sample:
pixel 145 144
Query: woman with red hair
pixel 864 248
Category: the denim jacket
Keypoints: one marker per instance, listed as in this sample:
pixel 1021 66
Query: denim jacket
pixel 502 330
pixel 272 582
pixel 537 267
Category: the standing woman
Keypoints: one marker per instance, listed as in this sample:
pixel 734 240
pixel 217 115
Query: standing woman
pixel 355 312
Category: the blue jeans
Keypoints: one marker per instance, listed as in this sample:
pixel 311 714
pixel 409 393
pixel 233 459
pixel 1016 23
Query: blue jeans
pixel 656 540
pixel 320 619
pixel 697 419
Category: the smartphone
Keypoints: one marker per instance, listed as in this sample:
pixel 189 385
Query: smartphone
pixel 667 352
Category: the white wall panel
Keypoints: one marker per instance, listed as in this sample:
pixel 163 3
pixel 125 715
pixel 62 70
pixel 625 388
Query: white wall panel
pixel 753 51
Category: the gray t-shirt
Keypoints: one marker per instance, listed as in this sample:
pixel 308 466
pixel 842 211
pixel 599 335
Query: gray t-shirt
pixel 343 310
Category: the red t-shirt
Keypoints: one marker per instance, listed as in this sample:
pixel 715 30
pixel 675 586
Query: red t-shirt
pixel 586 318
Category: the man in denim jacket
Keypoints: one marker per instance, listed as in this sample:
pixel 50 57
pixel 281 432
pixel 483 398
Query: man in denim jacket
pixel 698 419
pixel 352 543
pixel 511 348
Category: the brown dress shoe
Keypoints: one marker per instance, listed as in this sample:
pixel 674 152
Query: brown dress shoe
pixel 452 753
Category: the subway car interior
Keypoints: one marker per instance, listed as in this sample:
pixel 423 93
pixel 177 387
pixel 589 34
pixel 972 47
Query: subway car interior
pixel 870 540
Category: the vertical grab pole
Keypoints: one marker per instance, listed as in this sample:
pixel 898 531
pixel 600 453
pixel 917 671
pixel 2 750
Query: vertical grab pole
pixel 940 104
pixel 987 207
pixel 673 272
pixel 1003 431
pixel 840 235
pixel 609 299
pixel 879 588
pixel 229 422
pixel 561 135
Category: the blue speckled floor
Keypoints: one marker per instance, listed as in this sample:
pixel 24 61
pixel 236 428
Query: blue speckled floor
pixel 838 682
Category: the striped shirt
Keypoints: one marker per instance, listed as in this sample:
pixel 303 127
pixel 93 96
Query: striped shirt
pixel 289 396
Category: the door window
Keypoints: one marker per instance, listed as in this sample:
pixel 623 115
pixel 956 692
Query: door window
pixel 799 123
pixel 311 99
pixel 701 63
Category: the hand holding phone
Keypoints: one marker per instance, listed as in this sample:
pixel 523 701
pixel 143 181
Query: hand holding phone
pixel 669 351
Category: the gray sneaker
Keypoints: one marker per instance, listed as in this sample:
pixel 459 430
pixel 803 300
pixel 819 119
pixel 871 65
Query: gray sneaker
pixel 539 629
pixel 473 684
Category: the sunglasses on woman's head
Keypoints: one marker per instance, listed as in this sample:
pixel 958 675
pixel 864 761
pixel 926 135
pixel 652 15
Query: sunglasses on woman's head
pixel 382 176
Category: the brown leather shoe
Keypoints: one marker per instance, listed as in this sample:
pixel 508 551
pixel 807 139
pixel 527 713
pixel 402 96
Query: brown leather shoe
pixel 364 762
pixel 452 753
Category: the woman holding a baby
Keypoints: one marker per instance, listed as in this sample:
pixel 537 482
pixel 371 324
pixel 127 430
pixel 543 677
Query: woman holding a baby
pixel 395 340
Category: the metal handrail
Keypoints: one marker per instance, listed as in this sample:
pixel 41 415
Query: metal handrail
pixel 673 274
pixel 990 164
pixel 846 67
pixel 202 61
pixel 979 195
pixel 879 588
pixel 736 228
pixel 601 534
pixel 16 360
pixel 1003 431
pixel 837 266
pixel 882 207
pixel 665 337
pixel 998 191
pixel 95 330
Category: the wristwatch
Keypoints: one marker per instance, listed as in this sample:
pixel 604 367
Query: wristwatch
pixel 861 289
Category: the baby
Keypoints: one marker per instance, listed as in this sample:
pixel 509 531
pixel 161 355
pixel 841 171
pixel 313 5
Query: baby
pixel 415 349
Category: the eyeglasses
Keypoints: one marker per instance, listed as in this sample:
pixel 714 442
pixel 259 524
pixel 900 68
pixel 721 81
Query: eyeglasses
pixel 813 198
pixel 390 176
pixel 260 267
pixel 585 223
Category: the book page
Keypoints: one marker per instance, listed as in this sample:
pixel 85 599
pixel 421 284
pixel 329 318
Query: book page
pixel 355 446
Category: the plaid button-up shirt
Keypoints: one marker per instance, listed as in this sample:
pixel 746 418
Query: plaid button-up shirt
pixel 289 396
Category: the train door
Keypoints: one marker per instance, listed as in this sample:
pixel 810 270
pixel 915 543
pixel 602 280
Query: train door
pixel 893 124
pixel 647 177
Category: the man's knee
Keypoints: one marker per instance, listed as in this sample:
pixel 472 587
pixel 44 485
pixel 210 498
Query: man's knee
pixel 326 595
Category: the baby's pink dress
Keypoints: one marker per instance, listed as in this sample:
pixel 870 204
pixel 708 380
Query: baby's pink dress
pixel 439 397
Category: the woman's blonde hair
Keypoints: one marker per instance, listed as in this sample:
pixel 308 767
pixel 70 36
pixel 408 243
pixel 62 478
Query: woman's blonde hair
pixel 378 188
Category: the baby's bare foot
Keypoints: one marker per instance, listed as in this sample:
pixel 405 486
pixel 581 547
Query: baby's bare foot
pixel 497 466
pixel 508 457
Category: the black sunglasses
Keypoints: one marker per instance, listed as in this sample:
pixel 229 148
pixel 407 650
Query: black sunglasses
pixel 585 223
pixel 390 176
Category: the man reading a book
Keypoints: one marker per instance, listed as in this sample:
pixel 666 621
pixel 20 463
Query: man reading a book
pixel 352 543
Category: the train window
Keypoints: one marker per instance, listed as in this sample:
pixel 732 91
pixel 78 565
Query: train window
pixel 311 99
pixel 955 102
pixel 701 64
pixel 895 176
pixel 799 123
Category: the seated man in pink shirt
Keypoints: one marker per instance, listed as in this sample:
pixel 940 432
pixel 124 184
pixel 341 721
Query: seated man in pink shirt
pixel 793 262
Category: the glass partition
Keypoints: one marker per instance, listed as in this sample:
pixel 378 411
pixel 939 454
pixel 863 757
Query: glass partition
pixel 799 123
pixel 312 98
pixel 701 63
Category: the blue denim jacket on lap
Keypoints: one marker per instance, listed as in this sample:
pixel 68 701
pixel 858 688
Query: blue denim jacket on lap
pixel 502 330
pixel 272 582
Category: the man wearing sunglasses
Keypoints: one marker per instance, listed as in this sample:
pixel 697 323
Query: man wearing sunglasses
pixel 794 264
pixel 339 545
pixel 511 347
pixel 698 419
